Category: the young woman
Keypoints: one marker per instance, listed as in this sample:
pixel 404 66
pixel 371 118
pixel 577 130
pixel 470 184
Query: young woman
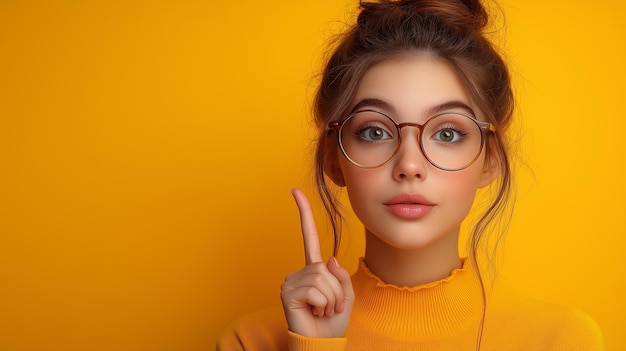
pixel 413 111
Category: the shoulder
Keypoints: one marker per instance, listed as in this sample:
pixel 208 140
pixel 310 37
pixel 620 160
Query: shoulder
pixel 262 330
pixel 543 324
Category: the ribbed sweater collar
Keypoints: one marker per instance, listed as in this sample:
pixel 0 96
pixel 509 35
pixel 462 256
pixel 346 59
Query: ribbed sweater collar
pixel 434 310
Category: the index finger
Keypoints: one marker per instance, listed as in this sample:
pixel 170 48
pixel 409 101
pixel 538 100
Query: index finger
pixel 312 252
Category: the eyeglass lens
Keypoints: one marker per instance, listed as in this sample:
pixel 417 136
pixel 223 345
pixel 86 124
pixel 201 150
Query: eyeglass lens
pixel 449 141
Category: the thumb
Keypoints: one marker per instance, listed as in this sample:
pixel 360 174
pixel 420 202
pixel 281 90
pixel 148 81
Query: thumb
pixel 344 279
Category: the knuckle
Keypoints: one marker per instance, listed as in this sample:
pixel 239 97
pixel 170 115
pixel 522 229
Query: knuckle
pixel 285 295
pixel 318 279
pixel 318 266
pixel 288 277
pixel 315 297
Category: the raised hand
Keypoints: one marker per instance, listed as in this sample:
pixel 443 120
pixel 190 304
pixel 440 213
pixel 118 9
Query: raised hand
pixel 317 299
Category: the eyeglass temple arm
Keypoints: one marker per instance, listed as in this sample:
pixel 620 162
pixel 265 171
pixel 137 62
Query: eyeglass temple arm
pixel 333 126
pixel 486 126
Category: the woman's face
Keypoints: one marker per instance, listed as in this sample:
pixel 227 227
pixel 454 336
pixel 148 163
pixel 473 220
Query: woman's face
pixel 408 203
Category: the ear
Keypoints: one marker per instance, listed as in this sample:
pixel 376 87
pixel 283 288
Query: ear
pixel 332 169
pixel 491 169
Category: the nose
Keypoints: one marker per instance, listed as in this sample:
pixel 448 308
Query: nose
pixel 409 161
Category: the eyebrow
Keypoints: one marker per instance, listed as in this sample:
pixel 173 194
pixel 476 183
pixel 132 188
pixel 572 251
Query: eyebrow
pixel 446 106
pixel 450 105
pixel 374 103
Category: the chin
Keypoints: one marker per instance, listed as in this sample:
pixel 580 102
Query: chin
pixel 411 241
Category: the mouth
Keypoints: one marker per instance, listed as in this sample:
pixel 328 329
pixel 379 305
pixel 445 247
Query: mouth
pixel 409 199
pixel 409 206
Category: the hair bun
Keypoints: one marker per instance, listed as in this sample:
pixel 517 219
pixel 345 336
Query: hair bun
pixel 460 14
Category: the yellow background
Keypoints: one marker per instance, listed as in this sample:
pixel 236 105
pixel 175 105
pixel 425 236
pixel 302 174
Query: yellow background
pixel 147 150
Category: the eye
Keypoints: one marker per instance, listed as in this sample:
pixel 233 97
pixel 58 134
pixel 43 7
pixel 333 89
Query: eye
pixel 448 135
pixel 372 133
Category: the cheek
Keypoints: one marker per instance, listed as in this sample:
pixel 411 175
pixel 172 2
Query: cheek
pixel 356 179
pixel 461 187
pixel 466 180
pixel 360 183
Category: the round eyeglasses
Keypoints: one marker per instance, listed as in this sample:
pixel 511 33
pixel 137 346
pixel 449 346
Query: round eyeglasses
pixel 450 141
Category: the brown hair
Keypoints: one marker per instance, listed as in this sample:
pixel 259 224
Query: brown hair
pixel 450 30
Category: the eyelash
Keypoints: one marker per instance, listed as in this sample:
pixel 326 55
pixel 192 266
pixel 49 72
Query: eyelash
pixel 453 128
pixel 360 130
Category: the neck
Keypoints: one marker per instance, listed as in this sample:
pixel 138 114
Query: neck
pixel 414 266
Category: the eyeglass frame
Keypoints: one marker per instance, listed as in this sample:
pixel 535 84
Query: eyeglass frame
pixel 484 127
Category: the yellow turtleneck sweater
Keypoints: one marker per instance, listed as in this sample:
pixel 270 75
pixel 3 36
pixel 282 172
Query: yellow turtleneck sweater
pixel 443 315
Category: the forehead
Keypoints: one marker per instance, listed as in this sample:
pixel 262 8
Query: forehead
pixel 412 85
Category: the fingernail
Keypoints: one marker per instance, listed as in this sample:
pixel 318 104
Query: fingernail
pixel 334 262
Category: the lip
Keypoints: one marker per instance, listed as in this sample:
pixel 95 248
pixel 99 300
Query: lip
pixel 409 206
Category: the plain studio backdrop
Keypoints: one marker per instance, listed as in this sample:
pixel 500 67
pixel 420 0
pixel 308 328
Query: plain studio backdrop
pixel 147 149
